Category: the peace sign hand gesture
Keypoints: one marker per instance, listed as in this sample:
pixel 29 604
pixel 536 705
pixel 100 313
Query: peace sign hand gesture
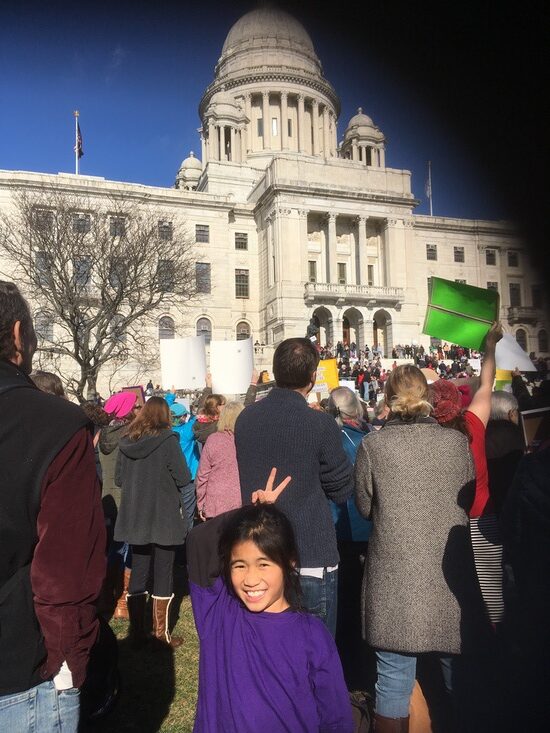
pixel 269 495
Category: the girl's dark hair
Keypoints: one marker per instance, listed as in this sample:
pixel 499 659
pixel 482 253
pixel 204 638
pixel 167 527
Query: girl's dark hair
pixel 152 419
pixel 272 532
pixel 96 414
pixel 13 308
pixel 48 382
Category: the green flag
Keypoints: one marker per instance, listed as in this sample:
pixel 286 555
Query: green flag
pixel 459 313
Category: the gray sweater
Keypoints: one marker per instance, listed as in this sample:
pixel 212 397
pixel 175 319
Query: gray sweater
pixel 419 588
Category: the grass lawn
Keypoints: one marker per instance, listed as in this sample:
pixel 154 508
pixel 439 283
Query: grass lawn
pixel 159 686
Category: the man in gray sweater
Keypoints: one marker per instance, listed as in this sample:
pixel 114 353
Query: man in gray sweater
pixel 282 431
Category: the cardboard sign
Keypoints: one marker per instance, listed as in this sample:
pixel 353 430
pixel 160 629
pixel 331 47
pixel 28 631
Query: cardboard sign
pixel 509 355
pixel 231 366
pixel 536 426
pixel 459 313
pixel 138 391
pixel 183 363
pixel 327 376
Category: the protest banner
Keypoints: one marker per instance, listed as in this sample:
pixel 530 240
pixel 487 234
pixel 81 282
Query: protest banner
pixel 509 355
pixel 183 363
pixel 138 391
pixel 327 376
pixel 536 426
pixel 460 313
pixel 503 380
pixel 231 366
pixel 349 383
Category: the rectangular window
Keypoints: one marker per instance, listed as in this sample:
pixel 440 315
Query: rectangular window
pixel 43 220
pixel 515 294
pixel 165 231
pixel 202 233
pixel 537 295
pixel 82 223
pixel 490 257
pixel 513 258
pixel 117 273
pixel 82 271
pixel 462 282
pixel 203 277
pixel 274 126
pixel 241 240
pixel 42 268
pixel 165 276
pixel 492 285
pixel 431 252
pixel 289 128
pixel 341 273
pixel 242 289
pixel 370 274
pixel 459 254
pixel 260 127
pixel 312 271
pixel 117 226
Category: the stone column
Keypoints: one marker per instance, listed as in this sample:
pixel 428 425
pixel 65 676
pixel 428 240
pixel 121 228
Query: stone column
pixel 221 137
pixel 315 123
pixel 334 135
pixel 266 120
pixel 203 150
pixel 211 140
pixel 382 158
pixel 363 274
pixel 354 150
pixel 243 134
pixel 248 113
pixel 395 253
pixel 326 133
pixel 232 149
pixel 337 328
pixel 304 256
pixel 332 275
pixel 301 123
pixel 284 120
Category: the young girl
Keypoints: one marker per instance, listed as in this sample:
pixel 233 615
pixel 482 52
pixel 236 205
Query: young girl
pixel 265 665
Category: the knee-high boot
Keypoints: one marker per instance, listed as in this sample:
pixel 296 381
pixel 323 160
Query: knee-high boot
pixel 137 608
pixel 161 610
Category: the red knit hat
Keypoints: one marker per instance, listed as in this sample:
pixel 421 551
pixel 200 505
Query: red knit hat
pixel 446 400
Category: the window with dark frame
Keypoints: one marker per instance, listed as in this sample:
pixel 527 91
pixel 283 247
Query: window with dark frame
pixel 461 282
pixel 82 271
pixel 241 240
pixel 513 258
pixel 118 331
pixel 202 233
pixel 521 338
pixel 203 277
pixel 342 273
pixel 242 289
pixel 492 285
pixel 370 275
pixel 490 257
pixel 117 273
pixel 167 328
pixel 165 230
pixel 515 294
pixel 82 223
pixel 204 328
pixel 431 252
pixel 117 226
pixel 165 276
pixel 43 220
pixel 459 254
pixel 312 271
pixel 43 326
pixel 42 266
pixel 242 331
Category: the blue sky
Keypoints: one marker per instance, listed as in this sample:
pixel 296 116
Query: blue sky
pixel 137 72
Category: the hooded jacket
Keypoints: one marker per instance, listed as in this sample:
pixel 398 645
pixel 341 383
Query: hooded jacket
pixel 150 471
pixel 109 439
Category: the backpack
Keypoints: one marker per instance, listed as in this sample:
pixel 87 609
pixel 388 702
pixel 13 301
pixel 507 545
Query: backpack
pixel 361 704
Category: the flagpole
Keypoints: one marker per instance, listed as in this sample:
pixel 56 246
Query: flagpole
pixel 76 115
pixel 430 186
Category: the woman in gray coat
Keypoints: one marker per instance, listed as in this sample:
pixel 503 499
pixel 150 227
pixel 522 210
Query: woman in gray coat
pixel 412 479
pixel 150 469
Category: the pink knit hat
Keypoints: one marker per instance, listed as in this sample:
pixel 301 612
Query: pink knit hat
pixel 120 404
pixel 446 400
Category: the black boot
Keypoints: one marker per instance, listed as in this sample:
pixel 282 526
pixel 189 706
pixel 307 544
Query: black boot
pixel 137 607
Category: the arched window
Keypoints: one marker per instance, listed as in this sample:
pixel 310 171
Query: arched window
pixel 117 329
pixel 543 342
pixel 43 326
pixel 167 329
pixel 243 331
pixel 204 328
pixel 521 338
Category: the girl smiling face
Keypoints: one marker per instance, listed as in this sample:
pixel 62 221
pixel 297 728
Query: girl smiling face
pixel 257 581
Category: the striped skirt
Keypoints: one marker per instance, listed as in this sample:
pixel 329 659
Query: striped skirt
pixel 487 547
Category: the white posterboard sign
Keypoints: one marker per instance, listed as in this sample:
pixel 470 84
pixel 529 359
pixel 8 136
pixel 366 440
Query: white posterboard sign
pixel 349 383
pixel 183 363
pixel 231 366
pixel 509 355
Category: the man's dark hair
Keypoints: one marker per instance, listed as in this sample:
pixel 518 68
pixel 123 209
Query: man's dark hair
pixel 294 362
pixel 13 308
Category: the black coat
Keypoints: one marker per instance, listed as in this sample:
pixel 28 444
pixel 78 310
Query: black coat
pixel 504 449
pixel 150 472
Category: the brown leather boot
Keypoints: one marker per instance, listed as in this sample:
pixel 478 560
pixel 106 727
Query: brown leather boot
pixel 121 610
pixel 161 611
pixel 390 725
pixel 137 607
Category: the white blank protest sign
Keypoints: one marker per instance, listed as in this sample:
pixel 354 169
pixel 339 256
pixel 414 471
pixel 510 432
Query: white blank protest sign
pixel 183 363
pixel 509 355
pixel 231 366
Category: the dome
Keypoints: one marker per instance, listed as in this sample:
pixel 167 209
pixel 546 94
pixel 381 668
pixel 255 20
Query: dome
pixel 268 24
pixel 360 120
pixel 191 163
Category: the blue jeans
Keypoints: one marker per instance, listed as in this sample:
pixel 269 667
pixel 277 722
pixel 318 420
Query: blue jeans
pixel 42 709
pixel 321 597
pixel 395 682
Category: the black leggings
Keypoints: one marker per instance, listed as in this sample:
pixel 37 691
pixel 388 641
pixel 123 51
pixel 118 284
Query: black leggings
pixel 156 561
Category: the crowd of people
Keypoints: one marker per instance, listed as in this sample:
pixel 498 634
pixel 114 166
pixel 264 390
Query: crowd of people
pixel 318 542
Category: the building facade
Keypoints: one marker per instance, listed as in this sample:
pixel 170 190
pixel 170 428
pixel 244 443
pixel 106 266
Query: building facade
pixel 294 221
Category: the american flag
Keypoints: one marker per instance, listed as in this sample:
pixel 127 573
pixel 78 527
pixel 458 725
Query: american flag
pixel 78 147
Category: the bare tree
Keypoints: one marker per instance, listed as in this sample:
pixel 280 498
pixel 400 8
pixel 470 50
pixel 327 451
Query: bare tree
pixel 97 276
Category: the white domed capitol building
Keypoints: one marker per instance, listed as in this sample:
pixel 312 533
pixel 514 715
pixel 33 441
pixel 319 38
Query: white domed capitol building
pixel 296 218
